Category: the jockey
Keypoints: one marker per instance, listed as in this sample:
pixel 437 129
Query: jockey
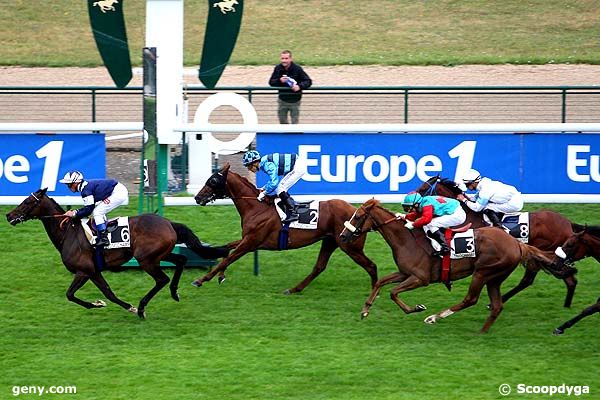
pixel 99 197
pixel 491 197
pixel 284 171
pixel 433 213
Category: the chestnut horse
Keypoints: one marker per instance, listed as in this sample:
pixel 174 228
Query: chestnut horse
pixel 581 244
pixel 152 241
pixel 261 226
pixel 547 230
pixel 497 256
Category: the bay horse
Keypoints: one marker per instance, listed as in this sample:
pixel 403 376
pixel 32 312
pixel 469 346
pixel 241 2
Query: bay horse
pixel 547 230
pixel 152 241
pixel 497 256
pixel 261 226
pixel 581 244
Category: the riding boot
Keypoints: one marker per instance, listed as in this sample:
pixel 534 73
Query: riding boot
pixel 438 236
pixel 291 213
pixel 102 239
pixel 493 217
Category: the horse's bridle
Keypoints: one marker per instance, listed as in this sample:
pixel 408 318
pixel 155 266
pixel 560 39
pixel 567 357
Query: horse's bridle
pixel 24 216
pixel 356 231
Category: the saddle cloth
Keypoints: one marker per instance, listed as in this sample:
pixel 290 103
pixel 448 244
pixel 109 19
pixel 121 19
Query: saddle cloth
pixel 118 232
pixel 308 214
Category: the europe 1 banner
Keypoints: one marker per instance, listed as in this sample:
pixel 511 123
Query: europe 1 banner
pixel 375 164
pixel 29 162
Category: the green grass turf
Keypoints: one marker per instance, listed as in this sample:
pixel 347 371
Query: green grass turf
pixel 244 339
pixel 333 32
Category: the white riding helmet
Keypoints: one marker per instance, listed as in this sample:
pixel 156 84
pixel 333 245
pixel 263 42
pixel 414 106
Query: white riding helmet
pixel 471 175
pixel 72 177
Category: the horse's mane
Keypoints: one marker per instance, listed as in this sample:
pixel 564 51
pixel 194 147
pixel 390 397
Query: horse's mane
pixel 374 202
pixel 451 185
pixel 60 209
pixel 245 181
pixel 593 230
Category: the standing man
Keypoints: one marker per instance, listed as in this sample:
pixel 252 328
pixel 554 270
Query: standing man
pixel 290 75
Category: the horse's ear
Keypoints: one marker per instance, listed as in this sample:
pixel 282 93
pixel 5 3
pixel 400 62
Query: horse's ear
pixel 225 167
pixel 43 191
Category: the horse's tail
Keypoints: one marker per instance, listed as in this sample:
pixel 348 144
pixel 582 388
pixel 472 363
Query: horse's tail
pixel 534 258
pixel 185 235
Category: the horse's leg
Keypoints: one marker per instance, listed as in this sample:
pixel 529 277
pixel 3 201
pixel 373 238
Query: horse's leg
pixel 408 284
pixel 493 289
pixel 571 283
pixel 525 282
pixel 78 281
pixel 391 278
pixel 179 261
pixel 356 253
pixel 101 284
pixel 470 299
pixel 588 311
pixel 160 278
pixel 243 248
pixel 328 246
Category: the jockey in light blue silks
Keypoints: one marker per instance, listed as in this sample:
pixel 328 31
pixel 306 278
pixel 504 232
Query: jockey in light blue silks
pixel 284 170
pixel 433 213
pixel 491 197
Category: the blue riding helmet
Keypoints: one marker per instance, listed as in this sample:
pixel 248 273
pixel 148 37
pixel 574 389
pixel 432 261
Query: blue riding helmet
pixel 249 157
pixel 411 200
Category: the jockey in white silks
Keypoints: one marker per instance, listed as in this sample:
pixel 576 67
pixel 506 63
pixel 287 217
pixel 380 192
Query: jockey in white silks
pixel 491 197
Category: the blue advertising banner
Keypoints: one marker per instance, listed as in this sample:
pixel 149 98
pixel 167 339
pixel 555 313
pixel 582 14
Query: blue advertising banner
pixel 551 163
pixel 29 162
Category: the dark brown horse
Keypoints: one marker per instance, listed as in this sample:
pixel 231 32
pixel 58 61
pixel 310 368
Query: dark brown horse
pixel 152 241
pixel 581 244
pixel 261 226
pixel 547 230
pixel 497 255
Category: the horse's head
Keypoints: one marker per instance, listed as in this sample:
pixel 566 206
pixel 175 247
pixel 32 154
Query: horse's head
pixel 214 188
pixel 29 208
pixel 437 185
pixel 574 248
pixel 355 226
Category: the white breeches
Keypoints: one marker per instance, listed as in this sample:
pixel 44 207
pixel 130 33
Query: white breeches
pixel 293 176
pixel 446 221
pixel 515 204
pixel 118 197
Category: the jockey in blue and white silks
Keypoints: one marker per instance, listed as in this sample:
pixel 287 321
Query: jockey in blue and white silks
pixel 284 170
pixel 491 197
pixel 100 196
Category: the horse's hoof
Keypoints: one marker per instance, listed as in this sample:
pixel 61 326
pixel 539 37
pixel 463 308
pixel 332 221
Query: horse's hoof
pixel 558 331
pixel 99 303
pixel 132 310
pixel 489 306
pixel 222 279
pixel 432 319
pixel 141 314
pixel 364 314
pixel 175 295
pixel 287 292
pixel 197 283
pixel 420 307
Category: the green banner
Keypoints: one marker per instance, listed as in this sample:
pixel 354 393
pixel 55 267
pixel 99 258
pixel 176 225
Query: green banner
pixel 222 28
pixel 108 27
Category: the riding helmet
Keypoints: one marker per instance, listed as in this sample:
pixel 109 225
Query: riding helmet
pixel 471 175
pixel 72 177
pixel 249 157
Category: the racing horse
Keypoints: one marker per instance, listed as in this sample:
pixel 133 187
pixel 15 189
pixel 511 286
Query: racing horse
pixel 497 255
pixel 581 244
pixel 547 230
pixel 261 227
pixel 152 240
